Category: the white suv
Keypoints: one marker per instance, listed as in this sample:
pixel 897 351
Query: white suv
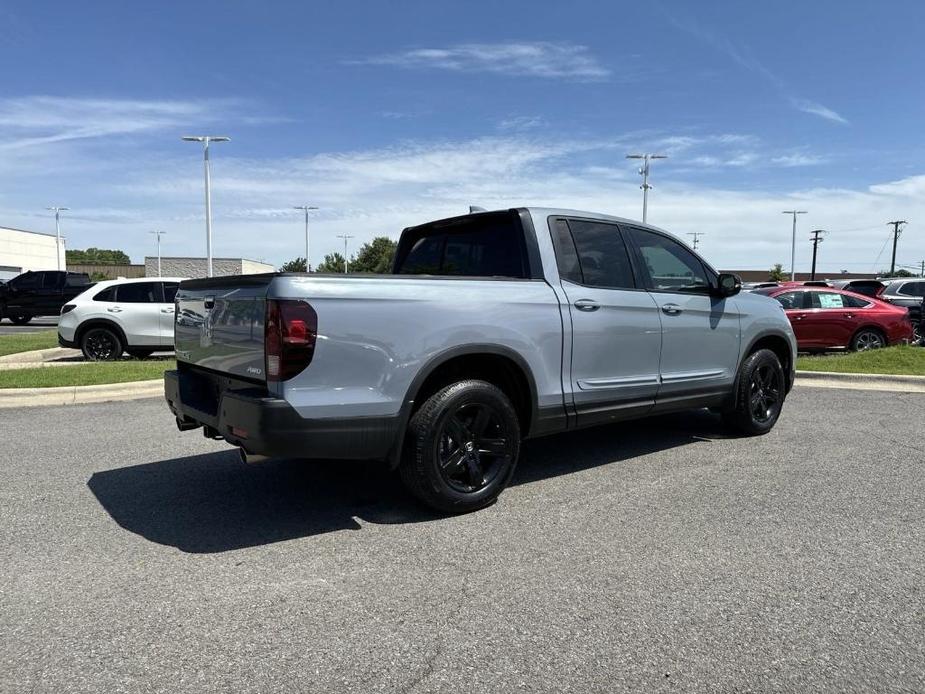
pixel 116 316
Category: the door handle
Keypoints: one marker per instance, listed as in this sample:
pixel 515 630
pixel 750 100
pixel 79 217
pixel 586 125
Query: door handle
pixel 587 305
pixel 672 309
pixel 798 318
pixel 166 310
pixel 114 309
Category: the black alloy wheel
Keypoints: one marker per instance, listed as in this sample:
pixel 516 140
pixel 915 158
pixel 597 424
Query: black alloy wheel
pixel 474 446
pixel 765 392
pixel 101 344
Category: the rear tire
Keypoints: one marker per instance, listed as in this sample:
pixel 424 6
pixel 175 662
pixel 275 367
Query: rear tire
pixel 101 344
pixel 759 394
pixel 20 319
pixel 462 447
pixel 867 338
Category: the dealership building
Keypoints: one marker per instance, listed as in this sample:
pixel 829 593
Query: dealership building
pixel 22 250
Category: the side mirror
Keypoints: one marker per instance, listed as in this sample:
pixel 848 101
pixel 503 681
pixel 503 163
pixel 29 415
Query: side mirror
pixel 728 284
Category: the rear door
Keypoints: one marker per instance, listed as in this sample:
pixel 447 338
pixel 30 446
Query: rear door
pixel 829 321
pixel 700 331
pixel 137 309
pixel 616 333
pixel 167 313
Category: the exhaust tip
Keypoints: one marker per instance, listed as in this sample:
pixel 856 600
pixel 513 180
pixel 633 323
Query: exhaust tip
pixel 251 458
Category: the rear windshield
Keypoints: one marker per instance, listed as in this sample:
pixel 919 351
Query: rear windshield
pixel 485 245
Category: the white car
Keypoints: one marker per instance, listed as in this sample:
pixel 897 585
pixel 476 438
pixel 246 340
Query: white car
pixel 116 316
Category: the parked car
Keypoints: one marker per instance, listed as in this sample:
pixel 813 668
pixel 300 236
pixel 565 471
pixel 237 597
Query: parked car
pixel 909 293
pixel 116 316
pixel 831 318
pixel 40 293
pixel 866 287
pixel 494 327
pixel 752 286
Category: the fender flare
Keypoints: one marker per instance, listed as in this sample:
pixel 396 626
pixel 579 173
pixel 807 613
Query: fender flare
pixel 788 374
pixel 438 360
pixel 99 323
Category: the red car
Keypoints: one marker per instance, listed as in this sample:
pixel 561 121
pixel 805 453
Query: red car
pixel 824 318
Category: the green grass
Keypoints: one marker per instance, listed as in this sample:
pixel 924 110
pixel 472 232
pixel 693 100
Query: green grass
pixel 13 344
pixel 86 374
pixel 903 360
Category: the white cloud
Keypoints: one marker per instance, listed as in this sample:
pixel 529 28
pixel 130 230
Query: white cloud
pixel 534 59
pixel 819 110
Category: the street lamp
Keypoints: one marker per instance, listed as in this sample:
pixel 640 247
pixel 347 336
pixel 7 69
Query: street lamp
pixel 205 140
pixel 306 209
pixel 157 235
pixel 644 172
pixel 793 243
pixel 58 211
pixel 345 237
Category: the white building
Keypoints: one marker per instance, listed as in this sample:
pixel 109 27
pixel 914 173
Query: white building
pixel 22 250
pixel 196 267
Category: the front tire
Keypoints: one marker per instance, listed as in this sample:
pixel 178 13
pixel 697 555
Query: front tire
pixel 101 344
pixel 463 447
pixel 759 394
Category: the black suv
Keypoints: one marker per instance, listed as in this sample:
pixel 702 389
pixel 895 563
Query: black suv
pixel 911 294
pixel 41 293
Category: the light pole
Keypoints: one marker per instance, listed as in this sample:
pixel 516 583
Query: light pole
pixel 157 235
pixel 58 211
pixel 205 140
pixel 644 172
pixel 345 237
pixel 793 243
pixel 306 209
pixel 696 235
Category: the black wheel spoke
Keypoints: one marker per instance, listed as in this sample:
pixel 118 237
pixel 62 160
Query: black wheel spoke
pixel 475 472
pixel 454 461
pixel 495 446
pixel 458 430
pixel 480 423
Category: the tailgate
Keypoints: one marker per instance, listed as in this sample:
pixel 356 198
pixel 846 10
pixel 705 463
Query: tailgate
pixel 219 324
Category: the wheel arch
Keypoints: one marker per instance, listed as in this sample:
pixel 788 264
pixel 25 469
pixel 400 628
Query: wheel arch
pixel 100 323
pixel 873 327
pixel 497 364
pixel 777 343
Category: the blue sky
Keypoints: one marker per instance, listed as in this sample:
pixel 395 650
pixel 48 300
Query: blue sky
pixel 389 114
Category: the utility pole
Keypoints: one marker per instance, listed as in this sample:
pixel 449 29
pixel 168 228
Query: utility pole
pixel 793 243
pixel 58 211
pixel 644 172
pixel 205 140
pixel 345 237
pixel 817 239
pixel 306 209
pixel 922 273
pixel 896 232
pixel 696 235
pixel 157 235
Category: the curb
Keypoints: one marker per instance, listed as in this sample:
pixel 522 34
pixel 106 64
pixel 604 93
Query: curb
pixel 75 395
pixel 39 355
pixel 884 379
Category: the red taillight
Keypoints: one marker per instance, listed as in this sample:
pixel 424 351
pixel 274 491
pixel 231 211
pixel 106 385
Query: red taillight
pixel 290 331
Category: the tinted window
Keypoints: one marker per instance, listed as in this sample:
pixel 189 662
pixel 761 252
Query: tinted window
pixel 30 280
pixel 866 288
pixel 170 291
pixel 855 302
pixel 826 300
pixel 791 300
pixel 671 267
pixel 75 280
pixel 602 256
pixel 912 289
pixel 566 255
pixel 108 294
pixel 138 293
pixel 482 246
pixel 51 280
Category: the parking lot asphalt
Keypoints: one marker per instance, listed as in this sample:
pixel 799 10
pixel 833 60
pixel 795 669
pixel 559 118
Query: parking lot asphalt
pixel 653 556
pixel 33 326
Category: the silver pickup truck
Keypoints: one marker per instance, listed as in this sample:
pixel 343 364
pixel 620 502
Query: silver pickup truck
pixel 493 327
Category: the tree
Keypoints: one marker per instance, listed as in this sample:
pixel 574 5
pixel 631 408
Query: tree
pixel 333 262
pixel 375 256
pixel 899 273
pixel 297 265
pixel 777 274
pixel 97 256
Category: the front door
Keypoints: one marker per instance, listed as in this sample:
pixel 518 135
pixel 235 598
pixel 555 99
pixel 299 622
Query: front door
pixel 700 331
pixel 616 334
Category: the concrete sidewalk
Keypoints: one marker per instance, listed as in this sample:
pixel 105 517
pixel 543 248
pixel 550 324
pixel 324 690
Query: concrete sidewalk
pixel 75 395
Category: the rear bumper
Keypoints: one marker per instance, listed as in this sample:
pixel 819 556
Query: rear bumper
pixel 248 417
